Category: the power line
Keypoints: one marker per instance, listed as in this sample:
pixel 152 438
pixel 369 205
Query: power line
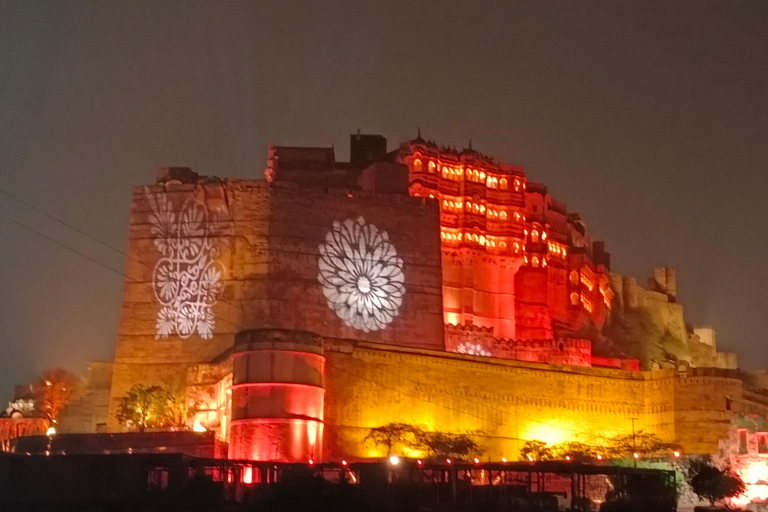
pixel 60 244
pixel 63 223
pixel 93 260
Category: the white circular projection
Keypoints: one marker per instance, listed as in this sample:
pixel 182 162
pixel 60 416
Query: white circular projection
pixel 361 275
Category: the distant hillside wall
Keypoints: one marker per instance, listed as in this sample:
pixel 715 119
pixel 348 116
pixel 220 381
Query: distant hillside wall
pixel 659 300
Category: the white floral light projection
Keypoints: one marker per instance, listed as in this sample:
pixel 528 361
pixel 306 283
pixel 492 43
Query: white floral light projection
pixel 361 275
pixel 472 349
pixel 187 278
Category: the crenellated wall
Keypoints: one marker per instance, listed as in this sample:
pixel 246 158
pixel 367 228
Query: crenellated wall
pixel 507 402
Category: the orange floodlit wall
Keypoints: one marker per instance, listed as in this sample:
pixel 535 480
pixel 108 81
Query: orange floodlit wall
pixel 505 402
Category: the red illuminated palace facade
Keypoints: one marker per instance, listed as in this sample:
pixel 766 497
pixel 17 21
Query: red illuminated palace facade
pixel 519 271
pixel 423 285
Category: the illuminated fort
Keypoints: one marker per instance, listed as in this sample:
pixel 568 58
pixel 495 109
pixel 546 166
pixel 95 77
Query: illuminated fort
pixel 423 285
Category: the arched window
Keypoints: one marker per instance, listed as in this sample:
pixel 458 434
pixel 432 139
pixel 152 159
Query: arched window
pixel 574 278
pixel 503 183
pixel 503 215
pixel 574 299
pixel 517 247
pixel 495 183
pixel 445 172
pixel 534 236
pixel 535 261
pixel 431 166
pixel 543 235
pixel 503 246
pixel 417 165
pixel 517 185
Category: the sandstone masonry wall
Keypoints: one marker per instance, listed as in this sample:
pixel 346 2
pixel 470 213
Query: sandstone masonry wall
pixel 509 402
pixel 263 242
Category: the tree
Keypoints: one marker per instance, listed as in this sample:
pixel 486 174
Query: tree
pixel 175 410
pixel 391 433
pixel 715 484
pixel 142 406
pixel 536 450
pixel 575 451
pixel 445 445
pixel 645 444
pixel 54 390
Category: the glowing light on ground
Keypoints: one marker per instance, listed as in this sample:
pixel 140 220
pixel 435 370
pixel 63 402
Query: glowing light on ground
pixel 197 427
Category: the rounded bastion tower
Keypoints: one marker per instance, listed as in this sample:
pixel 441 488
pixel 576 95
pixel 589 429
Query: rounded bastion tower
pixel 277 396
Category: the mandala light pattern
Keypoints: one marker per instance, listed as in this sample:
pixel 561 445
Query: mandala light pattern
pixel 361 275
pixel 187 279
pixel 472 349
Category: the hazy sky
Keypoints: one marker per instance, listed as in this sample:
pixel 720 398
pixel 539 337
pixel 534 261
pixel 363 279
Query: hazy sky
pixel 650 118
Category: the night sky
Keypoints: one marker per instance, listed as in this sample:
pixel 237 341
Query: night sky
pixel 649 118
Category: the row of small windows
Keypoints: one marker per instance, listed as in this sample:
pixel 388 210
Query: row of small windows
pixel 536 235
pixel 576 277
pixel 577 298
pixel 557 249
pixel 456 173
pixel 480 209
pixel 474 238
pixel 535 261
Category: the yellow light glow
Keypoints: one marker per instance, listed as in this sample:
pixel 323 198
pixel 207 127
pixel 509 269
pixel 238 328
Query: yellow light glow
pixel 552 432
pixel 197 427
pixel 394 460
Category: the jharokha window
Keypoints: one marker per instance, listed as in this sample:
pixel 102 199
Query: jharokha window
pixel 762 442
pixel 743 440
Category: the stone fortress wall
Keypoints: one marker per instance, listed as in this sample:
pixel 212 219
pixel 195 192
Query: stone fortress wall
pixel 262 244
pixel 209 259
pixel 509 402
